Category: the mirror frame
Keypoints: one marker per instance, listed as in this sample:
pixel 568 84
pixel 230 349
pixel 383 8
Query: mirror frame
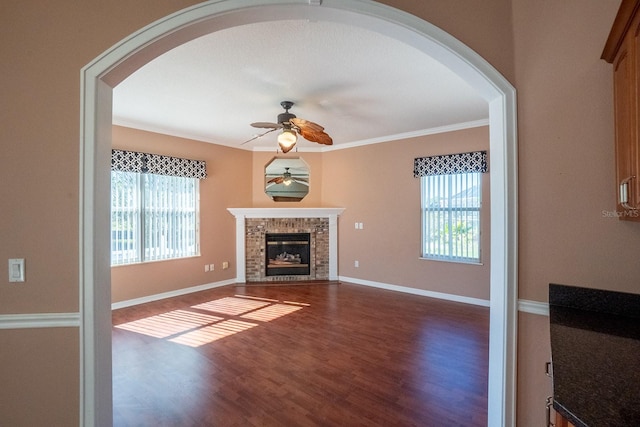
pixel 297 189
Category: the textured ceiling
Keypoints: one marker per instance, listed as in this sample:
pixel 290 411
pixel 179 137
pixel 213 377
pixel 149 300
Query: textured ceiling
pixel 363 87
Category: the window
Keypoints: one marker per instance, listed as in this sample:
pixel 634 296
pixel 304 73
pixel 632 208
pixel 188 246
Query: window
pixel 153 217
pixel 451 216
pixel 154 207
pixel 451 200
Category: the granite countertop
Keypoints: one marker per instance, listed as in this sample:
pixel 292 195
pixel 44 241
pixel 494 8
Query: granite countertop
pixel 595 351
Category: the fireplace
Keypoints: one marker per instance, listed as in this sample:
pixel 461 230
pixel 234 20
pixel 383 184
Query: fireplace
pixel 254 224
pixel 287 254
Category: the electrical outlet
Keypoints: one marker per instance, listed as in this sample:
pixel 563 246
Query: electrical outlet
pixel 225 265
pixel 206 268
pixel 356 263
pixel 212 267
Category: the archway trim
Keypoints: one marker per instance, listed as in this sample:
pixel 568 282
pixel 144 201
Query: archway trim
pixel 99 78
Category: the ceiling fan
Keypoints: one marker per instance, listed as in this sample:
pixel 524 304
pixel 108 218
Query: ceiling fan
pixel 287 179
pixel 292 127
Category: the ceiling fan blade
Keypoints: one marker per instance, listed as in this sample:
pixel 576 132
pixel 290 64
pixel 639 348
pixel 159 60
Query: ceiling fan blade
pixel 266 125
pixel 306 124
pixel 319 137
pixel 312 131
pixel 258 136
pixel 276 180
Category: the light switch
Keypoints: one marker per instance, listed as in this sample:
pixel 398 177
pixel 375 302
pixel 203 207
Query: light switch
pixel 16 270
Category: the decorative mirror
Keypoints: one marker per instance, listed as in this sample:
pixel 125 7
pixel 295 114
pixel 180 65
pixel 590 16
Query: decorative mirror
pixel 286 179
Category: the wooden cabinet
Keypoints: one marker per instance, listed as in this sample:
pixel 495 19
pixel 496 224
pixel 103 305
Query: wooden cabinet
pixel 623 51
pixel 557 420
pixel 562 421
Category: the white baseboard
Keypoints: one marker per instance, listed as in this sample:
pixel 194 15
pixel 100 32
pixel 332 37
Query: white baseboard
pixel 185 291
pixel 526 306
pixel 39 320
pixel 533 307
pixel 422 292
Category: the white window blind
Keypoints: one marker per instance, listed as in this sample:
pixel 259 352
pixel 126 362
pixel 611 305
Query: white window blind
pixel 155 203
pixel 153 217
pixel 170 217
pixel 451 199
pixel 451 216
pixel 126 228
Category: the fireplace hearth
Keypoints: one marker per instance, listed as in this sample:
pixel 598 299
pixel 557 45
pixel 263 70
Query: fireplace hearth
pixel 287 254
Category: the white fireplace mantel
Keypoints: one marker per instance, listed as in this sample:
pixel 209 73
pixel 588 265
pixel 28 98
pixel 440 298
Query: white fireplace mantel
pixel 242 213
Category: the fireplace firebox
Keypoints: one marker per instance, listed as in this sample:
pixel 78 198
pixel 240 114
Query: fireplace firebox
pixel 288 254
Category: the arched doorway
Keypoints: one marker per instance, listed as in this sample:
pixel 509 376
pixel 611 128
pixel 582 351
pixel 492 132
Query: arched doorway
pixel 106 71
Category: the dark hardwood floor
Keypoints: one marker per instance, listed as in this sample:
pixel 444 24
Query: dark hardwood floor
pixel 324 354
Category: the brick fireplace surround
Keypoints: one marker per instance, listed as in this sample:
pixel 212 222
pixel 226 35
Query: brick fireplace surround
pixel 252 225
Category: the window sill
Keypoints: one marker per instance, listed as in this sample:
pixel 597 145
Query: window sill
pixel 156 261
pixel 455 261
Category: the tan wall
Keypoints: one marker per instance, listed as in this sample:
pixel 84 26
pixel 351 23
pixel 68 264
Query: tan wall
pixel 548 49
pixel 349 181
pixel 566 172
pixel 567 182
pixel 533 385
pixel 375 184
pixel 485 26
pixel 228 184
pixel 40 377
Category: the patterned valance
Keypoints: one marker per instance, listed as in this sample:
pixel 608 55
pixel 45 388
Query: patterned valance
pixel 449 164
pixel 132 161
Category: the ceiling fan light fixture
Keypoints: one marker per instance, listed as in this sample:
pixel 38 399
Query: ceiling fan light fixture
pixel 293 126
pixel 286 177
pixel 287 140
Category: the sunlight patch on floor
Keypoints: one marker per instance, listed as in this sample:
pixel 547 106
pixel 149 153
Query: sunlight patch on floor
pixel 192 328
pixel 212 333
pixel 167 324
pixel 231 305
pixel 303 304
pixel 272 312
pixel 256 298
